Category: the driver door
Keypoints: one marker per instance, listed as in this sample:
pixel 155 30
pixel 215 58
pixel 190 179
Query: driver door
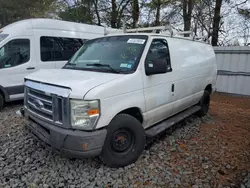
pixel 157 88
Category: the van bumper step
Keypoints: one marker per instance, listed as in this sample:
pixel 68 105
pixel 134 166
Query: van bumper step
pixel 160 127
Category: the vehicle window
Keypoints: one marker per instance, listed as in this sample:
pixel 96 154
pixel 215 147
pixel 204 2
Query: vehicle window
pixel 59 48
pixel 14 53
pixel 114 54
pixel 159 50
pixel 1 52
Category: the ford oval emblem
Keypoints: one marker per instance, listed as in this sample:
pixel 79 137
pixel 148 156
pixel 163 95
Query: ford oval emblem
pixel 38 104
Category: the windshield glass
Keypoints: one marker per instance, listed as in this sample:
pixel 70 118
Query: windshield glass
pixel 116 54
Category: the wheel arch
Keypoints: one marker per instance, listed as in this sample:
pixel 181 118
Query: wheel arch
pixel 4 93
pixel 133 111
pixel 209 88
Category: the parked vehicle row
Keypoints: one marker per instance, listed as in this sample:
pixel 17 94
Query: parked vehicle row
pixel 117 91
pixel 29 45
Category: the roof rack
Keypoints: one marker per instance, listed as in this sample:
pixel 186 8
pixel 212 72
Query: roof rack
pixel 161 30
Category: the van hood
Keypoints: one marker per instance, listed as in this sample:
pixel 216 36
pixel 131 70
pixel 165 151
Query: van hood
pixel 80 82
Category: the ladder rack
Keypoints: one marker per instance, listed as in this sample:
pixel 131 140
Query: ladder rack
pixel 161 30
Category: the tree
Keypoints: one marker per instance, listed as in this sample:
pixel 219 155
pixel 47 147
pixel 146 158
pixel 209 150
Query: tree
pixel 187 13
pixel 96 2
pixel 13 10
pixel 244 12
pixel 203 13
pixel 135 12
pixel 78 11
pixel 121 10
pixel 156 6
pixel 114 14
pixel 216 22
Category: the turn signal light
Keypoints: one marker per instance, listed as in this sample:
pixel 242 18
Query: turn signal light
pixel 93 112
pixel 84 146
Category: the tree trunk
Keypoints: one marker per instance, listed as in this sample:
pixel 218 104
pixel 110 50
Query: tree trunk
pixel 158 9
pixel 216 22
pixel 187 13
pixel 97 12
pixel 90 12
pixel 135 12
pixel 114 14
pixel 120 12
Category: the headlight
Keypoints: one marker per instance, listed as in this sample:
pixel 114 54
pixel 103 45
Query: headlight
pixel 84 114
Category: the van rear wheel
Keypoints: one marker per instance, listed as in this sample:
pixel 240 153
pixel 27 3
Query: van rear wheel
pixel 204 104
pixel 1 102
pixel 125 141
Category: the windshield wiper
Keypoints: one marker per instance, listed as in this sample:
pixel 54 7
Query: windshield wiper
pixel 103 65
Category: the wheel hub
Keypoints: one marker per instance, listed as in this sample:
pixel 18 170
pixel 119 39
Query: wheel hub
pixel 122 140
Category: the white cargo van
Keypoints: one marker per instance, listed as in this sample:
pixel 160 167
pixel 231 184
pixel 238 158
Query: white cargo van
pixel 33 44
pixel 108 103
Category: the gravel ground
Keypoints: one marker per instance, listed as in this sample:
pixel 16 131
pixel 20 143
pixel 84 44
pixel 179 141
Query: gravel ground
pixel 213 151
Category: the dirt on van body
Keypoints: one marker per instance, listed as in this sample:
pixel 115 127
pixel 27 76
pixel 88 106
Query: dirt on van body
pixel 213 151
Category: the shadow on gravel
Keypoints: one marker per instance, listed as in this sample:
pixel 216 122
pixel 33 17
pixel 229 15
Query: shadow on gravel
pixel 13 104
pixel 161 137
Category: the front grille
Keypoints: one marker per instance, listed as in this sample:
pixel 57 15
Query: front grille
pixel 50 107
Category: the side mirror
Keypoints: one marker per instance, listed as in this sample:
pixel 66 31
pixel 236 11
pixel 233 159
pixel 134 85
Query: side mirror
pixel 157 66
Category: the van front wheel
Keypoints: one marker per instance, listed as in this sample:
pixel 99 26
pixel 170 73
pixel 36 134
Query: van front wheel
pixel 204 104
pixel 125 141
pixel 1 102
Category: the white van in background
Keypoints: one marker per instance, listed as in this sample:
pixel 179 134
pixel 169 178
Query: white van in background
pixel 33 44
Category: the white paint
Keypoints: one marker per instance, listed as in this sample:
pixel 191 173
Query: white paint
pixel 194 67
pixel 34 29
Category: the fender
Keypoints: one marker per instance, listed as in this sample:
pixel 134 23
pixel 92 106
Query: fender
pixel 4 91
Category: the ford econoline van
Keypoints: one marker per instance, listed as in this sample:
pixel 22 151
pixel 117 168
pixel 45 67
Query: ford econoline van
pixel 108 103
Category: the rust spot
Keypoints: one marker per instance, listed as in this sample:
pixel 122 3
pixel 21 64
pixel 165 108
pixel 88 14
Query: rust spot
pixel 120 138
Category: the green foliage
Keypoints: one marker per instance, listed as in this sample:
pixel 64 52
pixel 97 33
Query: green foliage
pixel 244 12
pixel 14 10
pixel 81 11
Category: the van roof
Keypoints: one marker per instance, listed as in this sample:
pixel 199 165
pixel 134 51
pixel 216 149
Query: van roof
pixel 44 23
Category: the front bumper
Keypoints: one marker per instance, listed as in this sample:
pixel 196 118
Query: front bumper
pixel 72 143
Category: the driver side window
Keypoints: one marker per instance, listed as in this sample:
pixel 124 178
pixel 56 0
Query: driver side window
pixel 14 53
pixel 159 51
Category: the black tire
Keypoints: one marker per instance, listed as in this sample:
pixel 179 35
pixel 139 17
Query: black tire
pixel 133 141
pixel 1 102
pixel 204 103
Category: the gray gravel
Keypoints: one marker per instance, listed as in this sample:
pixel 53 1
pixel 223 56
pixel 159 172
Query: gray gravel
pixel 246 181
pixel 27 162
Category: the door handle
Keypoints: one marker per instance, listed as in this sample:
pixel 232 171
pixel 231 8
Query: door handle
pixel 30 68
pixel 172 88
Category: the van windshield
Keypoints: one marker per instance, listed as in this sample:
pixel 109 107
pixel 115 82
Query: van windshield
pixel 116 54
